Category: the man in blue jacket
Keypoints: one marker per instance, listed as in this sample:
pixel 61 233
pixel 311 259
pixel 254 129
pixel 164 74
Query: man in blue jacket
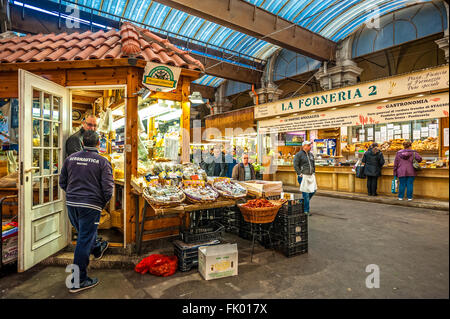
pixel 87 179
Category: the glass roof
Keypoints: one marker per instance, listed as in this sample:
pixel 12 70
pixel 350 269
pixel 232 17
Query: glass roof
pixel 333 19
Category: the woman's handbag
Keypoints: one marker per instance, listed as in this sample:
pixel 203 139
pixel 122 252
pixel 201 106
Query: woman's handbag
pixel 415 163
pixel 394 185
pixel 360 171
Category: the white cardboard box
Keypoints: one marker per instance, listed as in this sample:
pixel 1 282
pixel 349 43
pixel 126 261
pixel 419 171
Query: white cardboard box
pixel 9 249
pixel 218 261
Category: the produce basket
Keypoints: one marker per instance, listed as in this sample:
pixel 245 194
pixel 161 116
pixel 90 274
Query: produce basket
pixel 261 215
pixel 201 200
pixel 156 203
pixel 225 194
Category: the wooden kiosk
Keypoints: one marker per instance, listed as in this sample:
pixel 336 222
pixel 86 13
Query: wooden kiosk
pixel 102 60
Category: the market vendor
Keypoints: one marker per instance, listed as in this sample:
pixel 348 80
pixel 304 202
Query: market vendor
pixel 217 166
pixel 74 142
pixel 230 158
pixel 244 171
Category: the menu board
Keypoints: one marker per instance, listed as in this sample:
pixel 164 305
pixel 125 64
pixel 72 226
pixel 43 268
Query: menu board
pixel 405 128
pixel 390 134
pixel 383 136
pixel 424 132
pixel 378 137
pixel 432 130
pixel 446 142
pixel 416 134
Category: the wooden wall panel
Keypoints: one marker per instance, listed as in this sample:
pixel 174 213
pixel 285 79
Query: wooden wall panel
pixel 243 119
pixel 102 76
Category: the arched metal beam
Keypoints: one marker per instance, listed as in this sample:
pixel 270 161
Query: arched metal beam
pixel 236 14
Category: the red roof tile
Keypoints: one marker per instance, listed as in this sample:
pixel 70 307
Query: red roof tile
pixel 129 41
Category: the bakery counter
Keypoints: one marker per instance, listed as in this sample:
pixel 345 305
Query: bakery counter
pixel 429 183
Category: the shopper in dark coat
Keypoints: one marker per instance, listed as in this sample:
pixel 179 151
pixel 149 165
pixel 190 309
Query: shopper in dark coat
pixel 88 181
pixel 216 166
pixel 374 161
pixel 404 170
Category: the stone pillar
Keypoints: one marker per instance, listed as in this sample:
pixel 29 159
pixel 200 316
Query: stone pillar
pixel 222 104
pixel 269 91
pixel 344 73
pixel 443 42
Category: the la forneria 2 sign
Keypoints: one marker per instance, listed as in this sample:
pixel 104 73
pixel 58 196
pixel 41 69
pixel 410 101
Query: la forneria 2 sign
pixel 423 81
pixel 348 95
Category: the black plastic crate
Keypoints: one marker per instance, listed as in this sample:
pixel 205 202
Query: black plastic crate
pixel 245 234
pixel 291 239
pixel 294 250
pixel 187 254
pixel 211 231
pixel 283 216
pixel 292 219
pixel 289 228
pixel 187 263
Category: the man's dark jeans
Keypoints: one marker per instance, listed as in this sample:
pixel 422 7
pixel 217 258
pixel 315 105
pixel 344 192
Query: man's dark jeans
pixel 85 221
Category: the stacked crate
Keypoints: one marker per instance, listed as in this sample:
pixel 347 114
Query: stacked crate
pixel 290 229
pixel 205 228
pixel 187 254
pixel 231 219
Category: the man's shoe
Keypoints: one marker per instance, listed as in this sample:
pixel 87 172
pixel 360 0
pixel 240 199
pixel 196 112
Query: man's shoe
pixel 400 199
pixel 103 246
pixel 88 283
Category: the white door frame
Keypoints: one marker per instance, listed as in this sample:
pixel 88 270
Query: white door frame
pixel 107 87
pixel 41 225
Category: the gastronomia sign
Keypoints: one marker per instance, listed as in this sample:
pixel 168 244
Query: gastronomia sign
pixel 426 107
pixel 397 86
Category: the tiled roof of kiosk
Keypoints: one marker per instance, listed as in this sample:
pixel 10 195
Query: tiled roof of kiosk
pixel 131 40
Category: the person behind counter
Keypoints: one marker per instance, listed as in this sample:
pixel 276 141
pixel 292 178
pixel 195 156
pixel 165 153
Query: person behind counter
pixel 374 161
pixel 216 166
pixel 404 170
pixel 230 159
pixel 244 171
pixel 87 179
pixel 73 143
pixel 305 168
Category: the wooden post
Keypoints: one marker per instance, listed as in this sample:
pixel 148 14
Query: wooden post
pixel 185 124
pixel 334 179
pixel 351 183
pixel 131 144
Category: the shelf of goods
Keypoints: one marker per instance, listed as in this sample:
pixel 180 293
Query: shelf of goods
pixel 429 183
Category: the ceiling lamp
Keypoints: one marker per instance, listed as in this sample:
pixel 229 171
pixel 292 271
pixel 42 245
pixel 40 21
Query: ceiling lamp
pixel 196 98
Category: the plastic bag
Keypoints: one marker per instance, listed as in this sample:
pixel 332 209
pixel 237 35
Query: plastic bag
pixel 394 185
pixel 308 184
pixel 159 265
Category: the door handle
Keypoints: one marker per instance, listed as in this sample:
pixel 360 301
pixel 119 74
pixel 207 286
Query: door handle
pixel 31 169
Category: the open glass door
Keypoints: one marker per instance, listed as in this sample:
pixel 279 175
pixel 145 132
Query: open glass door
pixel 44 116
